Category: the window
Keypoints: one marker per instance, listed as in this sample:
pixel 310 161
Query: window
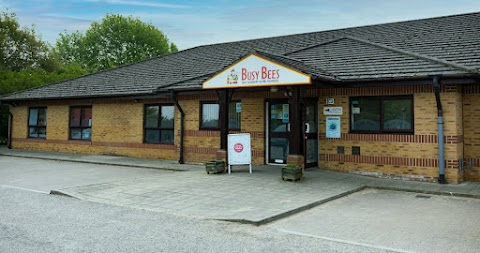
pixel 381 114
pixel 37 122
pixel 210 115
pixel 159 124
pixel 81 123
pixel 235 115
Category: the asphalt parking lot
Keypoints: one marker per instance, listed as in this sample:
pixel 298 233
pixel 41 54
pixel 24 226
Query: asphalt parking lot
pixel 377 214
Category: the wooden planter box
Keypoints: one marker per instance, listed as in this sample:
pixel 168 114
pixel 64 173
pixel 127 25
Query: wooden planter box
pixel 215 167
pixel 292 173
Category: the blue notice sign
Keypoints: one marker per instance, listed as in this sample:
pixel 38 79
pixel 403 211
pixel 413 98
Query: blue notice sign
pixel 333 127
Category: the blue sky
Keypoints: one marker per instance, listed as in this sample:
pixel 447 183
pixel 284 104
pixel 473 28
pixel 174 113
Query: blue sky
pixel 193 23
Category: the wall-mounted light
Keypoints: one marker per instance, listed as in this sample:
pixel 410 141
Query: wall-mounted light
pixel 273 89
pixel 288 92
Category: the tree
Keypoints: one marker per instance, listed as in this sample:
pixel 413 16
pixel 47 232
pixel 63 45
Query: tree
pixel 115 41
pixel 20 48
pixel 26 62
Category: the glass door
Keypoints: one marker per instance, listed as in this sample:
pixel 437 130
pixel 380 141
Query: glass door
pixel 309 118
pixel 278 131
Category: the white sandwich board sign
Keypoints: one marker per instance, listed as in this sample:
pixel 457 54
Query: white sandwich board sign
pixel 239 150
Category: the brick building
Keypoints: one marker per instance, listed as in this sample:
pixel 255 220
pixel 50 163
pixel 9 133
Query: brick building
pixel 389 100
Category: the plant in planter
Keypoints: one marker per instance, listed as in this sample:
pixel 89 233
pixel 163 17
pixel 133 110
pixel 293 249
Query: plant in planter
pixel 215 166
pixel 292 172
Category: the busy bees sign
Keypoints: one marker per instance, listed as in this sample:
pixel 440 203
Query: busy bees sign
pixel 254 71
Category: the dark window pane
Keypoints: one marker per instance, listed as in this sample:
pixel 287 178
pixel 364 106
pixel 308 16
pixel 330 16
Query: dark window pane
pixel 32 121
pixel 33 132
pixel 278 150
pixel 366 114
pixel 86 134
pixel 210 115
pixel 42 117
pixel 167 117
pixel 42 132
pixel 234 115
pixel 87 117
pixel 151 119
pixel 167 136
pixel 152 136
pixel 75 133
pixel 75 117
pixel 397 114
pixel 278 124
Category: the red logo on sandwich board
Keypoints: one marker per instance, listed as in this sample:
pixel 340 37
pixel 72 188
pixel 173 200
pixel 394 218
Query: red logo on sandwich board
pixel 238 147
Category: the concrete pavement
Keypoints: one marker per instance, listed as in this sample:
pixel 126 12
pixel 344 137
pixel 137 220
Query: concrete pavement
pixel 256 198
pixel 393 220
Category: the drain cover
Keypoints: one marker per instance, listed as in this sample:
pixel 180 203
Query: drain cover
pixel 423 196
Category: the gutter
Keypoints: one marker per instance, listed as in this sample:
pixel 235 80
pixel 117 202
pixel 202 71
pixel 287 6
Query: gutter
pixel 440 125
pixel 182 126
pixel 10 122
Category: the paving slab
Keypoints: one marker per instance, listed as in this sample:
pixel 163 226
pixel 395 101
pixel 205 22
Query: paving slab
pixel 256 198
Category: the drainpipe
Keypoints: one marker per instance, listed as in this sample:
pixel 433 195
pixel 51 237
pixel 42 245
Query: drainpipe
pixel 182 125
pixel 9 137
pixel 441 148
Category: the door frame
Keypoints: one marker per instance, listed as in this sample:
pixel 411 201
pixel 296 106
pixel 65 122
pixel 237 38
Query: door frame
pixel 304 102
pixel 268 102
pixel 306 136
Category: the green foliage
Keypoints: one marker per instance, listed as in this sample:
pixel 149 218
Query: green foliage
pixel 20 48
pixel 115 41
pixel 292 166
pixel 13 81
pixel 28 62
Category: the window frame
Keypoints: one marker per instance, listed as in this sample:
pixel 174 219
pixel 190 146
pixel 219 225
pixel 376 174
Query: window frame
pixel 81 107
pixel 235 102
pixel 381 105
pixel 200 121
pixel 160 128
pixel 37 126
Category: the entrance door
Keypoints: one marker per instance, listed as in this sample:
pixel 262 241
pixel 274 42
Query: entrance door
pixel 309 118
pixel 278 131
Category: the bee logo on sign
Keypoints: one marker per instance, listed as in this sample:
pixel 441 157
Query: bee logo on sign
pixel 232 78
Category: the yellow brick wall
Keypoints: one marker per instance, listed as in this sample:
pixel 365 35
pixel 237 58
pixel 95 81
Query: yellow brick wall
pixel 117 122
pixel 57 122
pixel 204 143
pixel 425 123
pixel 471 116
pixel 118 129
pixel 20 121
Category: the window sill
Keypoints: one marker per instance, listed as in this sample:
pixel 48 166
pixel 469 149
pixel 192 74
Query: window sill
pixel 158 143
pixel 375 132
